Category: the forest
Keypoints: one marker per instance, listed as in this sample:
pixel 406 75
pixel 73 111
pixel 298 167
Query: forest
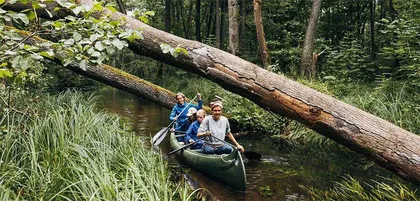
pixel 316 76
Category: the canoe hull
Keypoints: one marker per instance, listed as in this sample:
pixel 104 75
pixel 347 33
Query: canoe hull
pixel 227 168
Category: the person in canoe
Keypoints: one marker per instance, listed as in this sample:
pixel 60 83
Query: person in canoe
pixel 191 134
pixel 217 125
pixel 182 106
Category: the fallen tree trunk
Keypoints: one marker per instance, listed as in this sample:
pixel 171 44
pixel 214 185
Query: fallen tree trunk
pixel 390 146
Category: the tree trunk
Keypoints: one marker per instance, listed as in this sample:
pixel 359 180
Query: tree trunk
pixel 233 27
pixel 223 8
pixel 189 19
pixel 260 34
pixel 197 21
pixel 168 16
pixel 122 7
pixel 390 146
pixel 372 28
pixel 242 20
pixel 218 24
pixel 308 58
pixel 209 20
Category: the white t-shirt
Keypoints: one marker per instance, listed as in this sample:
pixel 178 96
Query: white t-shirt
pixel 218 129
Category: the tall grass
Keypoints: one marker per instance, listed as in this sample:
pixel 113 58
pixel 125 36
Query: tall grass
pixel 352 190
pixel 72 152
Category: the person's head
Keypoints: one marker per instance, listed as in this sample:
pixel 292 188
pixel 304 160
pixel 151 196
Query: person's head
pixel 200 115
pixel 192 114
pixel 180 98
pixel 216 109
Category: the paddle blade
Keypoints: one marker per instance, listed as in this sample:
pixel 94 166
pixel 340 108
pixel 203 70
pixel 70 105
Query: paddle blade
pixel 158 138
pixel 252 155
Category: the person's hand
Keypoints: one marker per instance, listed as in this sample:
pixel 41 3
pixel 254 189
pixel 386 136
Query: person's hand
pixel 176 118
pixel 191 141
pixel 198 96
pixel 241 148
pixel 172 130
pixel 208 133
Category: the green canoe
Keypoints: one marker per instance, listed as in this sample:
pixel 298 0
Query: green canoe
pixel 227 168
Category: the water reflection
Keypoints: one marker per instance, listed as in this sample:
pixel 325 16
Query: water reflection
pixel 282 169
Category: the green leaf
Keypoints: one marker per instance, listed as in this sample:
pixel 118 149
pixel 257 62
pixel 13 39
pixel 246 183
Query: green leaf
pixel 165 48
pixel 149 13
pixel 48 54
pixel 69 41
pixel 83 64
pixel 95 54
pixel 111 7
pixel 22 17
pixel 93 37
pixel 5 73
pixel 144 19
pixel 99 46
pixel 31 15
pixel 77 36
pixel 118 44
pixel 1 1
pixel 183 50
pixel 98 6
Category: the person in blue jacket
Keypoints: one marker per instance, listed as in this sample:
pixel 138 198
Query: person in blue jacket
pixel 182 106
pixel 191 134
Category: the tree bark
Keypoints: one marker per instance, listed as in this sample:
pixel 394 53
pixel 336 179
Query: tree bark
pixel 197 21
pixel 209 20
pixel 122 7
pixel 168 16
pixel 242 22
pixel 217 24
pixel 265 58
pixel 390 146
pixel 233 27
pixel 308 58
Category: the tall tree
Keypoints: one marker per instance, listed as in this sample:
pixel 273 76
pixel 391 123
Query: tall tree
pixel 223 11
pixel 218 18
pixel 210 18
pixel 233 27
pixel 197 20
pixel 308 58
pixel 265 57
pixel 121 6
pixel 242 21
pixel 372 27
pixel 168 16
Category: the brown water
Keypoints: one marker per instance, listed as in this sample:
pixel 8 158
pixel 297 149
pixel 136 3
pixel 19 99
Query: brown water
pixel 283 168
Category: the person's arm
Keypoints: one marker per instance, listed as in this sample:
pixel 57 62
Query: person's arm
pixel 188 134
pixel 202 130
pixel 173 114
pixel 230 136
pixel 200 102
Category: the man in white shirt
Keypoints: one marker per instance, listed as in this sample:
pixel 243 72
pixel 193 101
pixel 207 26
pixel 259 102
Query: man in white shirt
pixel 218 126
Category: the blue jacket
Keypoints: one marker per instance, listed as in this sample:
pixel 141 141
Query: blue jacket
pixel 182 122
pixel 192 134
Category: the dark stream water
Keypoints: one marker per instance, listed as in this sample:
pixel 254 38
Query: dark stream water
pixel 284 169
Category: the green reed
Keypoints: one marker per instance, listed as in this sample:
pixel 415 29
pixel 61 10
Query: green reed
pixel 352 190
pixel 69 151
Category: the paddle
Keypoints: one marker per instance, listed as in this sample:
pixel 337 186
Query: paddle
pixel 251 155
pixel 183 147
pixel 158 138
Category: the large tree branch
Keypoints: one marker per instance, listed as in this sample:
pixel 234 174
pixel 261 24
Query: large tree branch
pixel 390 146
